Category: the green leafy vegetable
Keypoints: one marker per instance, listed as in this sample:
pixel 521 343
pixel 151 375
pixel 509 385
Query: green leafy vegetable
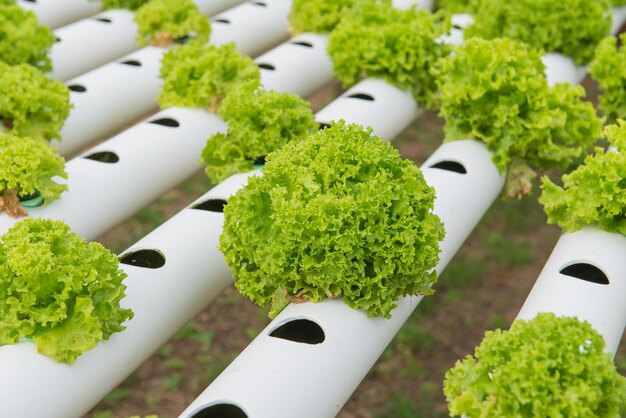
pixel 456 6
pixel 594 193
pixel 319 16
pixel 123 4
pixel 22 39
pixel 608 68
pixel 160 22
pixel 572 27
pixel 338 214
pixel 399 46
pixel 618 3
pixel 495 91
pixel 28 167
pixel 57 289
pixel 259 122
pixel 201 75
pixel 545 367
pixel 31 103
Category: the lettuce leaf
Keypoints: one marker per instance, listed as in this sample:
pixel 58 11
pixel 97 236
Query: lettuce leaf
pixel 123 4
pixel 57 289
pixel 399 46
pixel 160 22
pixel 319 16
pixel 259 122
pixel 608 68
pixel 546 367
pixel 201 75
pixel 456 6
pixel 338 214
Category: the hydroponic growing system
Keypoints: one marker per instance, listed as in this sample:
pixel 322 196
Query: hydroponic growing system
pixel 141 153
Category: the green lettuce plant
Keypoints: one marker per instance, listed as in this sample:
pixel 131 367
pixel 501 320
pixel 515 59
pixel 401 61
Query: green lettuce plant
pixel 495 91
pixel 58 290
pixel 31 103
pixel 160 22
pixel 608 68
pixel 399 46
pixel 546 367
pixel 123 4
pixel 572 27
pixel 201 75
pixel 456 6
pixel 319 16
pixel 259 122
pixel 594 193
pixel 28 167
pixel 22 39
pixel 338 214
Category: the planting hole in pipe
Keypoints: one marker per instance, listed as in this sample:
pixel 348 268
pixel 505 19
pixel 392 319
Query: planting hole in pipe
pixel 260 161
pixel 32 200
pixel 300 331
pixel 57 39
pixel 222 20
pixel 78 88
pixel 104 157
pixel 259 3
pixel 132 63
pixel 103 19
pixel 448 165
pixel 150 259
pixel 169 122
pixel 586 272
pixel 269 67
pixel 302 43
pixel 211 205
pixel 220 410
pixel 323 125
pixel 361 96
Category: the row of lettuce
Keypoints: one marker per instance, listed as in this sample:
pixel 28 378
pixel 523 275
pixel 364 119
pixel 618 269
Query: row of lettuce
pixel 337 212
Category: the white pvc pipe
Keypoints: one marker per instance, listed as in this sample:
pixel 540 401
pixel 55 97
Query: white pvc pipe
pixel 407 4
pixel 57 13
pixel 162 299
pixel 602 305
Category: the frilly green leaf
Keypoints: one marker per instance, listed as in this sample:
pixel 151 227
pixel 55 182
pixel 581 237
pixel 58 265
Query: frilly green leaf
pixel 379 41
pixel 545 367
pixel 456 6
pixel 259 122
pixel 338 214
pixel 318 16
pixel 160 22
pixel 123 4
pixel 57 289
pixel 608 68
pixel 201 75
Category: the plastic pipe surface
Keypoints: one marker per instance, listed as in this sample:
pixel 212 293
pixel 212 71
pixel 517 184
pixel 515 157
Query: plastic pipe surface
pixel 57 13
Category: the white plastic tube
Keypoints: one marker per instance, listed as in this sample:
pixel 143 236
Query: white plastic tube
pixel 572 283
pixel 57 13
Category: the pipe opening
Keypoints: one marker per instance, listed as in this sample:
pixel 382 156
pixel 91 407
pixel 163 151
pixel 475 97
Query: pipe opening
pixel 450 166
pixel 103 19
pixel 211 205
pixel 260 160
pixel 269 67
pixel 132 63
pixel 169 122
pixel 32 200
pixel 361 96
pixel 150 259
pixel 222 20
pixel 220 410
pixel 456 26
pixel 300 331
pixel 303 43
pixel 259 3
pixel 323 125
pixel 30 1
pixel 586 272
pixel 57 39
pixel 78 88
pixel 104 157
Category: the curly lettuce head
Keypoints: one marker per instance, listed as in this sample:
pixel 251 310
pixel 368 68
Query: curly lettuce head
pixel 123 4
pixel 546 367
pixel 259 122
pixel 161 22
pixel 58 290
pixel 594 193
pixel 379 41
pixel 338 214
pixel 22 39
pixel 572 27
pixel 524 122
pixel 608 68
pixel 201 75
pixel 319 16
pixel 456 6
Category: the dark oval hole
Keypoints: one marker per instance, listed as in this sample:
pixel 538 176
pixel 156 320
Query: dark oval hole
pixel 78 88
pixel 260 160
pixel 133 63
pixel 150 259
pixel 220 410
pixel 103 19
pixel 267 67
pixel 450 166
pixel 300 331
pixel 259 3
pixel 586 272
pixel 211 205
pixel 302 43
pixel 31 1
pixel 324 125
pixel 104 157
pixel 57 39
pixel 361 96
pixel 169 122
pixel 222 20
pixel 457 27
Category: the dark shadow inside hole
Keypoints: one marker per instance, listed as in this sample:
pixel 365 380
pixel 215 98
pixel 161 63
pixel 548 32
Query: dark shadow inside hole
pixel 132 63
pixel 221 410
pixel 300 331
pixel 104 157
pixel 324 125
pixel 103 19
pixel 78 88
pixel 169 122
pixel 361 96
pixel 211 205
pixel 267 66
pixel 260 160
pixel 150 259
pixel 58 39
pixel 302 43
pixel 222 20
pixel 457 27
pixel 450 166
pixel 31 1
pixel 586 272
pixel 259 3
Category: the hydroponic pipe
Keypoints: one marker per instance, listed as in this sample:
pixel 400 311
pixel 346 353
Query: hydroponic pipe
pixel 57 13
pixel 119 93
